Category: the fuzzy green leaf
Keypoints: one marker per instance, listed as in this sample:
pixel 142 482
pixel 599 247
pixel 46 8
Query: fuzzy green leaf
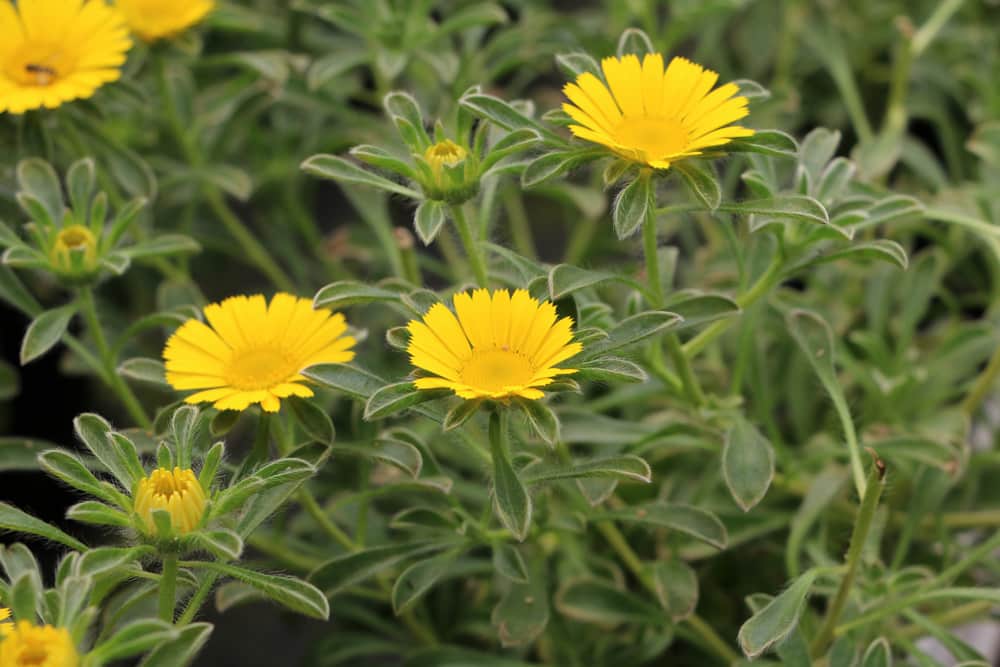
pixel 44 332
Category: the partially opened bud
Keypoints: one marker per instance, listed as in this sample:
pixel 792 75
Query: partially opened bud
pixel 451 174
pixel 74 253
pixel 177 492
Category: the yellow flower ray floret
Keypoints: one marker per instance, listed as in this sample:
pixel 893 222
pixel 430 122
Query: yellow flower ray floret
pixel 498 346
pixel 155 19
pixel 252 352
pixel 55 51
pixel 651 115
pixel 25 644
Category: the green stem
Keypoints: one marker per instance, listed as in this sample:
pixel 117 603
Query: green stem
pixel 850 433
pixel 473 249
pixel 929 30
pixel 168 587
pixel 312 506
pixel 520 228
pixel 650 245
pixel 745 300
pixel 983 385
pixel 691 386
pixel 106 361
pixel 947 619
pixel 862 524
pixel 198 599
pixel 254 250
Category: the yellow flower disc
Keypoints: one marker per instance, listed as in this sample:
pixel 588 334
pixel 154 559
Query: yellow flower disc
pixel 25 644
pixel 254 352
pixel 155 19
pixel 178 492
pixel 499 346
pixel 54 51
pixel 651 116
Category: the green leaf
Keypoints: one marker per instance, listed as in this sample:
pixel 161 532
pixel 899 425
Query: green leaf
pixel 635 41
pixel 386 449
pixel 223 544
pixel 151 371
pixel 21 453
pixel 542 419
pixel 460 414
pixel 37 178
pixel 747 464
pixel 80 183
pixel 12 291
pixel 765 142
pixel 576 63
pixel 350 380
pixel 547 166
pixel 631 330
pixel 414 582
pixel 94 431
pixel 632 207
pixel 297 595
pixel 342 572
pixel 878 654
pixel 522 613
pixel 232 180
pixel 596 601
pixel 315 422
pixel 509 563
pixel 400 105
pixel 701 181
pixel 676 588
pixel 511 499
pixel 620 467
pixel 514 142
pixel 165 244
pixel 340 295
pixel 480 14
pixel 13 519
pixel 428 220
pixel 880 249
pixel 181 651
pixel 134 638
pixel 564 279
pixel 503 114
pixel 700 309
pixel 99 514
pixel 44 332
pixel 783 208
pixel 395 398
pixel 694 521
pixel 67 468
pixel 928 451
pixel 775 621
pixel 383 159
pixel 610 369
pixel 338 169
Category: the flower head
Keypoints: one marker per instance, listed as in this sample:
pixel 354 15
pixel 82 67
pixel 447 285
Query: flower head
pixel 74 250
pixel 54 51
pixel 25 644
pixel 253 352
pixel 176 491
pixel 499 346
pixel 451 173
pixel 651 116
pixel 155 19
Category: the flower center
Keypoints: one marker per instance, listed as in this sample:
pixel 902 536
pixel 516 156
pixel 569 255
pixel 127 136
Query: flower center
pixel 496 369
pixel 259 368
pixel 33 654
pixel 76 237
pixel 38 64
pixel 656 137
pixel 445 152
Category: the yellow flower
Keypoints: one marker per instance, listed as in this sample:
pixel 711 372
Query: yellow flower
pixel 4 613
pixel 499 346
pixel 443 153
pixel 28 645
pixel 178 492
pixel 254 352
pixel 652 116
pixel 54 51
pixel 74 239
pixel 155 19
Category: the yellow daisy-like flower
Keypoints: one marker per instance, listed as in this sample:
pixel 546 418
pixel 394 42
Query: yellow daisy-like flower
pixel 178 492
pixel 155 19
pixel 4 613
pixel 54 51
pixel 25 644
pixel 254 352
pixel 498 347
pixel 651 116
